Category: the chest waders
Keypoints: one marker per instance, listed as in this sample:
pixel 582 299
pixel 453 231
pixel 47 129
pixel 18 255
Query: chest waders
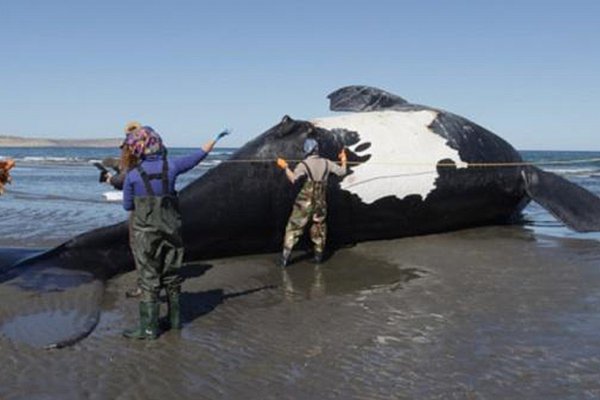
pixel 158 252
pixel 310 205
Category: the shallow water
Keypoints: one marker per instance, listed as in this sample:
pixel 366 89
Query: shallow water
pixel 56 195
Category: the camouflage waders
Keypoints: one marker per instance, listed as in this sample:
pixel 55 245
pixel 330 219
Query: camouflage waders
pixel 310 204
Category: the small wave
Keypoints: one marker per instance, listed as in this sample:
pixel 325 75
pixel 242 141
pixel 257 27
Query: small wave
pixel 50 160
pixel 209 164
pixel 574 171
pixel 222 152
pixel 21 195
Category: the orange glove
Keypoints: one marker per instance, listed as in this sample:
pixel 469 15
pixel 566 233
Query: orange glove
pixel 342 156
pixel 281 163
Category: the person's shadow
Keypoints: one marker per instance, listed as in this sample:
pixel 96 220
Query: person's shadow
pixel 196 305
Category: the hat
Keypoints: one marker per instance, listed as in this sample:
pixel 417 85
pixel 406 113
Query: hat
pixel 144 141
pixel 132 126
pixel 310 146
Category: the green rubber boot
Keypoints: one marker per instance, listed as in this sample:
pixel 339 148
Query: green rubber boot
pixel 148 327
pixel 174 309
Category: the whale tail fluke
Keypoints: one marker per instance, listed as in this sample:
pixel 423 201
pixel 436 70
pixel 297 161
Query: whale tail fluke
pixel 575 206
pixel 363 98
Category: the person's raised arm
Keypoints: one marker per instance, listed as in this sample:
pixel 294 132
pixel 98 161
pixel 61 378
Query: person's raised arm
pixel 185 163
pixel 339 170
pixel 208 146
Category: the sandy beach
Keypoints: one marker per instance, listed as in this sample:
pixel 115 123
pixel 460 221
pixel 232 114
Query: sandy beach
pixel 487 313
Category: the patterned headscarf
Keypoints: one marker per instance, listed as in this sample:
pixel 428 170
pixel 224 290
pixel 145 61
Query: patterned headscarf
pixel 144 141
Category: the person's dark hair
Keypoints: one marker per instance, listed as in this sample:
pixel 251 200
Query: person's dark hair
pixel 128 161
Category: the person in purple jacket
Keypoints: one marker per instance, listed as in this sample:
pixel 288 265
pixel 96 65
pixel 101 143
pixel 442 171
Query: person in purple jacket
pixel 149 194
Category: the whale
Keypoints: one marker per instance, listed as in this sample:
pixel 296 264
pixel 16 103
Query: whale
pixel 413 170
pixel 410 173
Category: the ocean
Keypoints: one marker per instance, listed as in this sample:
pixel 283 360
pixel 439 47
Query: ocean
pixel 580 167
pixel 56 194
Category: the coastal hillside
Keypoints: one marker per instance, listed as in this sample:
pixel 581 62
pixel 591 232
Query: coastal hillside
pixel 17 141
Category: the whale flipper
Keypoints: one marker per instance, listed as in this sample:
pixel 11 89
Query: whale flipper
pixel 578 208
pixel 56 295
pixel 363 98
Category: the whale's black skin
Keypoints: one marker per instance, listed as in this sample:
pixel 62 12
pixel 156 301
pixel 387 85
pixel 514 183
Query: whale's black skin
pixel 242 207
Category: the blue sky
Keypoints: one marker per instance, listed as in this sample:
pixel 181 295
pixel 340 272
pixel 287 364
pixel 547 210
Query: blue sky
pixel 527 70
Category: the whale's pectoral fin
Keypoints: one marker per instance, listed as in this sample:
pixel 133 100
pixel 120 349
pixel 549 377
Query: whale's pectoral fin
pixel 43 303
pixel 578 208
pixel 363 98
pixel 49 308
pixel 50 319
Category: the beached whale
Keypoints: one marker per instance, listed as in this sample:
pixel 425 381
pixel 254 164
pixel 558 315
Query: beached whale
pixel 414 170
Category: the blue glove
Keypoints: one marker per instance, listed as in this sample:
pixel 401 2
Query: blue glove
pixel 222 135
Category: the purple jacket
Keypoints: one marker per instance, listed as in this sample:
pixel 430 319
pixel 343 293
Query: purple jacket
pixel 134 185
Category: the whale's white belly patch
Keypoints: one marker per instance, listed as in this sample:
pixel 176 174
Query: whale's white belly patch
pixel 404 153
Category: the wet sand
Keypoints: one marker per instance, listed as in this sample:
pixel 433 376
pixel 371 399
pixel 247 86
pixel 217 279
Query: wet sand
pixel 490 313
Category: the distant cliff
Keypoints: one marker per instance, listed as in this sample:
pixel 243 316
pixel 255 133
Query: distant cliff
pixel 16 141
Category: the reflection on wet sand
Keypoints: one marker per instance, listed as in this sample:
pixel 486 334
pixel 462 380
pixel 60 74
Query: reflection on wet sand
pixel 312 281
pixel 316 288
